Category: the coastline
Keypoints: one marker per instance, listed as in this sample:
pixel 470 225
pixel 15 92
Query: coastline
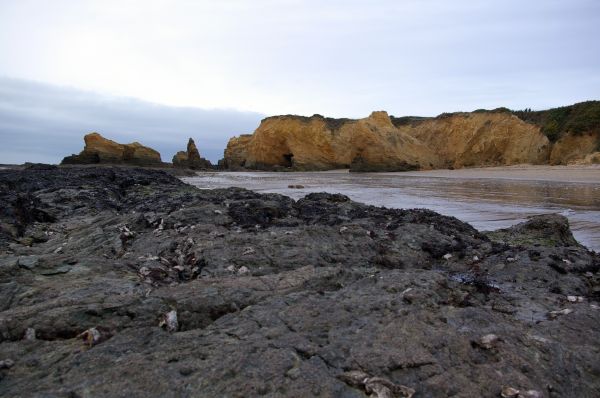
pixel 568 173
pixel 525 172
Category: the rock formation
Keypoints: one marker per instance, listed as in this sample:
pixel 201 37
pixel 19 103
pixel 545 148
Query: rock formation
pixel 235 153
pixel 481 139
pixel 381 143
pixel 575 148
pixel 319 143
pixel 376 144
pixel 191 158
pixel 139 285
pixel 101 150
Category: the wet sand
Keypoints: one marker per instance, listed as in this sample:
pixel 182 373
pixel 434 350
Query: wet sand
pixel 571 173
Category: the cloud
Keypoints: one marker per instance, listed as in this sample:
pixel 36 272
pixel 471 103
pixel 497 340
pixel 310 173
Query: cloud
pixel 337 58
pixel 43 123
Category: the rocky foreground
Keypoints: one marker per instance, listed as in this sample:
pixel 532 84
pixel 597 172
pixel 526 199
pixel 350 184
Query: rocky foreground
pixel 128 282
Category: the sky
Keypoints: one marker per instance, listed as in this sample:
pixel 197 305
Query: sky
pixel 159 71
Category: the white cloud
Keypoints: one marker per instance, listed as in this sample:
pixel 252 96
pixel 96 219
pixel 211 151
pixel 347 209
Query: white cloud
pixel 44 123
pixel 339 58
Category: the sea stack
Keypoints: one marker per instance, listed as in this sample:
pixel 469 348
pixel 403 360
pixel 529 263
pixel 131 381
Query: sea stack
pixel 191 159
pixel 101 150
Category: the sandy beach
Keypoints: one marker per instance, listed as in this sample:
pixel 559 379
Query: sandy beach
pixel 570 173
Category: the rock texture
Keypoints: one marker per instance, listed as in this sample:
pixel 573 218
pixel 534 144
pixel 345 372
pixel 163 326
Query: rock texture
pixel 125 282
pixel 481 139
pixel 101 150
pixel 576 148
pixel 191 158
pixel 499 137
pixel 319 143
pixel 377 144
pixel 235 153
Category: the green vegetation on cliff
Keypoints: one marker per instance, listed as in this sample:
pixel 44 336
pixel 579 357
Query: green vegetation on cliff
pixel 556 122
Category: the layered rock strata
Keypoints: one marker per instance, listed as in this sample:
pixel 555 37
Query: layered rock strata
pixel 377 144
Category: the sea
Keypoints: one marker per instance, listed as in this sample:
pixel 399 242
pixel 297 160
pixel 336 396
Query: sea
pixel 485 203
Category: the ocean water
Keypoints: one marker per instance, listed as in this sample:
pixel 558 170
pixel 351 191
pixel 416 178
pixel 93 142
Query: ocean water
pixel 485 203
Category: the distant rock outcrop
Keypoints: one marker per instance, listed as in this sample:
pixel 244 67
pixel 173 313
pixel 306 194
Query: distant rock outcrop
pixel 381 143
pixel 190 159
pixel 101 150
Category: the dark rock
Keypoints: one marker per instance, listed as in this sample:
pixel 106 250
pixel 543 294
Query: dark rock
pixel 546 230
pixel 28 262
pixel 360 164
pixel 320 296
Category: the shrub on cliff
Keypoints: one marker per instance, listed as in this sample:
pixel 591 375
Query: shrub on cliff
pixel 556 122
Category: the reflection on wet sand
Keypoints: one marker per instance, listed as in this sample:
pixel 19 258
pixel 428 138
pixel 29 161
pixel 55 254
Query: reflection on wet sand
pixel 487 204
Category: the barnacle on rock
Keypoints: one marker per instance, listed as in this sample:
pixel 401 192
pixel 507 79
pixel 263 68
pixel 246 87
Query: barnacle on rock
pixel 376 387
pixel 556 314
pixel 488 341
pixel 6 363
pixel 169 321
pixel 29 334
pixel 94 336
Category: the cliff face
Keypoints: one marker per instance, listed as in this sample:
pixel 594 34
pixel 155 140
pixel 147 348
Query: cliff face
pixel 316 143
pixel 376 144
pixel 481 139
pixel 576 148
pixel 190 158
pixel 101 150
pixel 236 153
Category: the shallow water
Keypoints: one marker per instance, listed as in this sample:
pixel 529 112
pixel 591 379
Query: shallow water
pixel 487 203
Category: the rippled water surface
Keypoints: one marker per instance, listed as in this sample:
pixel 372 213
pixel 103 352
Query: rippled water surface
pixel 487 204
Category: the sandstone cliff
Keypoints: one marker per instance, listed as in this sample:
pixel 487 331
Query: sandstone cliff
pixel 317 143
pixel 191 158
pixel 481 139
pixel 576 148
pixel 101 150
pixel 378 143
pixel 235 154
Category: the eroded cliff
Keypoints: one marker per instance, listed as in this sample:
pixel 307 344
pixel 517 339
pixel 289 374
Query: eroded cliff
pixel 481 139
pixel 318 143
pixel 576 148
pixel 378 143
pixel 500 137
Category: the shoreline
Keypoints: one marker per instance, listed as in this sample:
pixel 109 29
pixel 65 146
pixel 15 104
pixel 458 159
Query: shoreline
pixel 558 173
pixel 522 172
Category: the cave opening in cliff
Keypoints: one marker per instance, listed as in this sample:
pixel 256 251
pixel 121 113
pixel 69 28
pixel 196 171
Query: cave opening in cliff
pixel 287 159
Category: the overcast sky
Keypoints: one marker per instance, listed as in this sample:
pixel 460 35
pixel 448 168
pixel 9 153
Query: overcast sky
pixel 141 61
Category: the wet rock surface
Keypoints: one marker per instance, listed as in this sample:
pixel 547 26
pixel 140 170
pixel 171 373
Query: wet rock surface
pixel 128 282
